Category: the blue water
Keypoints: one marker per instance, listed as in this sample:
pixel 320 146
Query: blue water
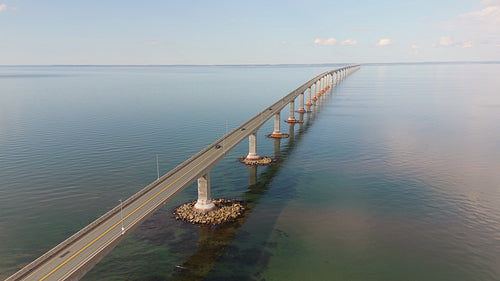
pixel 394 177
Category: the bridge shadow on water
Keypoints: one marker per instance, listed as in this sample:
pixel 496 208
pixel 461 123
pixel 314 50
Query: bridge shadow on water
pixel 216 257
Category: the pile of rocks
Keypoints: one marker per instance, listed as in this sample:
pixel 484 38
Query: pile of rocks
pixel 226 211
pixel 263 161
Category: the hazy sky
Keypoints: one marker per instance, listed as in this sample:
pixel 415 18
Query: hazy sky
pixel 247 32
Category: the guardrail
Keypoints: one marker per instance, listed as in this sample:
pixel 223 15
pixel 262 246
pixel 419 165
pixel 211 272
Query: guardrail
pixel 271 110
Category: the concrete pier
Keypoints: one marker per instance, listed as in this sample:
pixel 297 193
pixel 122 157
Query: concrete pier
pixel 277 132
pixel 309 103
pixel 75 256
pixel 292 119
pixel 252 147
pixel 254 159
pixel 204 202
pixel 301 107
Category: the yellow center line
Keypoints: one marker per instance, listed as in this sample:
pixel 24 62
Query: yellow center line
pixel 134 211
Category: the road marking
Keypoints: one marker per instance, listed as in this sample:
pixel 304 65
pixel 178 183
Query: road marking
pixel 338 73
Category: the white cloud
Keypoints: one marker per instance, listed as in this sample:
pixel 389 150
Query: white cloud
pixel 467 44
pixel 325 42
pixel 480 26
pixel 489 15
pixel 384 42
pixel 4 7
pixel 349 42
pixel 447 41
pixel 490 2
pixel 415 49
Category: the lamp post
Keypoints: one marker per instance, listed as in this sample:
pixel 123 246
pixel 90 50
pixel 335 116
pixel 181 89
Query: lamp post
pixel 157 168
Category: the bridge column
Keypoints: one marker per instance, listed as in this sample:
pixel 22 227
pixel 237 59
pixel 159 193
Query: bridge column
pixel 309 103
pixel 301 108
pixel 316 89
pixel 204 202
pixel 323 86
pixel 292 119
pixel 252 147
pixel 277 133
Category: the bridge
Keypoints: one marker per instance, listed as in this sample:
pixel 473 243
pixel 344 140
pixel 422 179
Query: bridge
pixel 75 256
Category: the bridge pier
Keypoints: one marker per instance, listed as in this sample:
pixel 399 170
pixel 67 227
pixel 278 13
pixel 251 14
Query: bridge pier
pixel 323 86
pixel 301 108
pixel 292 119
pixel 204 203
pixel 252 147
pixel 309 103
pixel 277 133
pixel 314 98
pixel 76 255
pixel 253 158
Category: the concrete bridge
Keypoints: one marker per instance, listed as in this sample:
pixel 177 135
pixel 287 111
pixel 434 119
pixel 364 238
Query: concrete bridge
pixel 74 257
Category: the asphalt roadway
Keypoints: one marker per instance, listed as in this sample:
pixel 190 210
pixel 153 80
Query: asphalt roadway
pixel 75 256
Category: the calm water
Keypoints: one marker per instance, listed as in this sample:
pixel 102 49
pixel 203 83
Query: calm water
pixel 395 177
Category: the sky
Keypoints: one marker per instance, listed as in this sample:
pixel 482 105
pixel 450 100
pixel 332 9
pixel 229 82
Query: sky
pixel 111 32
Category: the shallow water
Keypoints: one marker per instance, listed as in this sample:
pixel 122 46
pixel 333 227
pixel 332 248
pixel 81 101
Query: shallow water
pixel 395 177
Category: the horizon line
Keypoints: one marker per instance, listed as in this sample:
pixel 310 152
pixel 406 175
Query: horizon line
pixel 257 64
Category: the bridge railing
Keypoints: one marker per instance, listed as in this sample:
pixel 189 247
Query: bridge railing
pixel 276 107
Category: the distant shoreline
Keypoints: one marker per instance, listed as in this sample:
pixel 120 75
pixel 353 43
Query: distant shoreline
pixel 250 65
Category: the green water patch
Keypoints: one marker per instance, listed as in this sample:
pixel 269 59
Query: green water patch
pixel 165 249
pixel 346 245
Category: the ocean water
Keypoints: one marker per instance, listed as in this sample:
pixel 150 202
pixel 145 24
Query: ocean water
pixel 395 176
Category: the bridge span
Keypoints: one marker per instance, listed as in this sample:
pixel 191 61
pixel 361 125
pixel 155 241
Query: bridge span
pixel 75 256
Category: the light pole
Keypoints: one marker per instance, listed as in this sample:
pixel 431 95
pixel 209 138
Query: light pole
pixel 157 168
pixel 224 144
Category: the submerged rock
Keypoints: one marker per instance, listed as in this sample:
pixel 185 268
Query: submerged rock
pixel 263 161
pixel 226 211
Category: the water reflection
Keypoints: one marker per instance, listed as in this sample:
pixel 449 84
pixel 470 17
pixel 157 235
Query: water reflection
pixel 213 241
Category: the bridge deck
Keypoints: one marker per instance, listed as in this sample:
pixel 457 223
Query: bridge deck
pixel 76 255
